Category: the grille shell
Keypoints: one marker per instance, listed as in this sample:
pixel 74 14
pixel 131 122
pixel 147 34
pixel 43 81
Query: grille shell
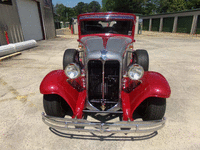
pixel 103 83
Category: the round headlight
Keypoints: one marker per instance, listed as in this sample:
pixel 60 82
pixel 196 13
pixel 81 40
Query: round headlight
pixel 72 71
pixel 135 72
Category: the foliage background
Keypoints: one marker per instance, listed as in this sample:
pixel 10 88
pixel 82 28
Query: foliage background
pixel 144 7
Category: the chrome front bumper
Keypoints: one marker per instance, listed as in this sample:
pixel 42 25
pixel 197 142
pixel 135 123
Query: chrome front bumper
pixel 110 127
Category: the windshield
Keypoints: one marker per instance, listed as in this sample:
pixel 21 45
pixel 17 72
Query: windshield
pixel 117 27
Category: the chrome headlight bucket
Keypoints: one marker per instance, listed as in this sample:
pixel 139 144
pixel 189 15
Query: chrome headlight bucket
pixel 135 72
pixel 72 71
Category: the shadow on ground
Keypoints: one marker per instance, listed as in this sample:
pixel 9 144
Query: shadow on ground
pixel 111 137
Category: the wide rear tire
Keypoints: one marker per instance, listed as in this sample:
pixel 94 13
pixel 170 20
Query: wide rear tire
pixel 70 56
pixel 153 108
pixel 141 57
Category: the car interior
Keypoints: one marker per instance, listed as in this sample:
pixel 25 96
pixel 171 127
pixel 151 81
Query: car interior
pixel 116 27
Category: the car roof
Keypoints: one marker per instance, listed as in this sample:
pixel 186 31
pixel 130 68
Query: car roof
pixel 96 15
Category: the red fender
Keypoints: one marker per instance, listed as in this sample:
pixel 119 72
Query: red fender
pixel 126 107
pixel 80 105
pixel 56 83
pixel 153 85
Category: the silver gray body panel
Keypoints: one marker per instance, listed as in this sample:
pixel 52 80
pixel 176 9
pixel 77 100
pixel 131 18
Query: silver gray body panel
pixel 115 49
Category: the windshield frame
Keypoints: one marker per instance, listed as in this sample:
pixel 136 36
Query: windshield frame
pixel 109 16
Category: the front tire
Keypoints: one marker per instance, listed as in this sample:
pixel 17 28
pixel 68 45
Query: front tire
pixel 52 105
pixel 70 56
pixel 141 57
pixel 153 108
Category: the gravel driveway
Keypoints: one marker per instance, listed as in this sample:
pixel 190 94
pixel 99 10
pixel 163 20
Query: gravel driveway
pixel 176 57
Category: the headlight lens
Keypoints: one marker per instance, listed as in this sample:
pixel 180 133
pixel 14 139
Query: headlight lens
pixel 72 71
pixel 135 72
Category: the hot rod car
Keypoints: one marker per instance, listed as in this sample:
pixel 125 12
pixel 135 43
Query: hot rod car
pixel 105 79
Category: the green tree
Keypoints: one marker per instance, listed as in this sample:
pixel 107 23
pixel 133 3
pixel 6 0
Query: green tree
pixel 166 6
pixel 60 11
pixel 63 13
pixel 94 6
pixel 109 5
pixel 193 4
pixel 130 6
pixel 177 5
pixel 71 13
pixel 80 8
pixel 150 7
pixel 163 6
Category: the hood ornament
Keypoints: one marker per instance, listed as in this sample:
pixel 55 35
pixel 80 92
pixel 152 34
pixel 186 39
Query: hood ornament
pixel 103 107
pixel 104 54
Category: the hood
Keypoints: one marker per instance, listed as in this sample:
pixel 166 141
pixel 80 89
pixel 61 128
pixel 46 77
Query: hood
pixel 106 48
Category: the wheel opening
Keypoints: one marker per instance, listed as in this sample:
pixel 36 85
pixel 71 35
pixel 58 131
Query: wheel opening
pixel 64 105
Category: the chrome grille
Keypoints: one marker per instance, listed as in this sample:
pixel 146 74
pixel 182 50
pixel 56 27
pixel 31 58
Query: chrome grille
pixel 103 82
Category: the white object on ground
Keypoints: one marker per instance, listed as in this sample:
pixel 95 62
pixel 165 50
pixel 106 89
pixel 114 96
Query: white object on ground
pixel 16 47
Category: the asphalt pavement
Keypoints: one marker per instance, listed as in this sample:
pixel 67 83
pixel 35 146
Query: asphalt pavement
pixel 174 56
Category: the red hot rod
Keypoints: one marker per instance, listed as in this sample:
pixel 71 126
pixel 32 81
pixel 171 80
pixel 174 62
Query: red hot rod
pixel 105 79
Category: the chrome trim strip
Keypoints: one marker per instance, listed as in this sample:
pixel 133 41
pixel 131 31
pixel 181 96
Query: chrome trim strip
pixel 111 127
pixel 120 80
pixel 90 106
pixel 107 17
pixel 99 112
pixel 114 108
pixel 103 79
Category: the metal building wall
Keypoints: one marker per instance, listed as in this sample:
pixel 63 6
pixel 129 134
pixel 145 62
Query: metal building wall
pixel 47 19
pixel 145 24
pixel 198 25
pixel 168 24
pixel 155 24
pixel 9 18
pixel 184 24
pixel 30 19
